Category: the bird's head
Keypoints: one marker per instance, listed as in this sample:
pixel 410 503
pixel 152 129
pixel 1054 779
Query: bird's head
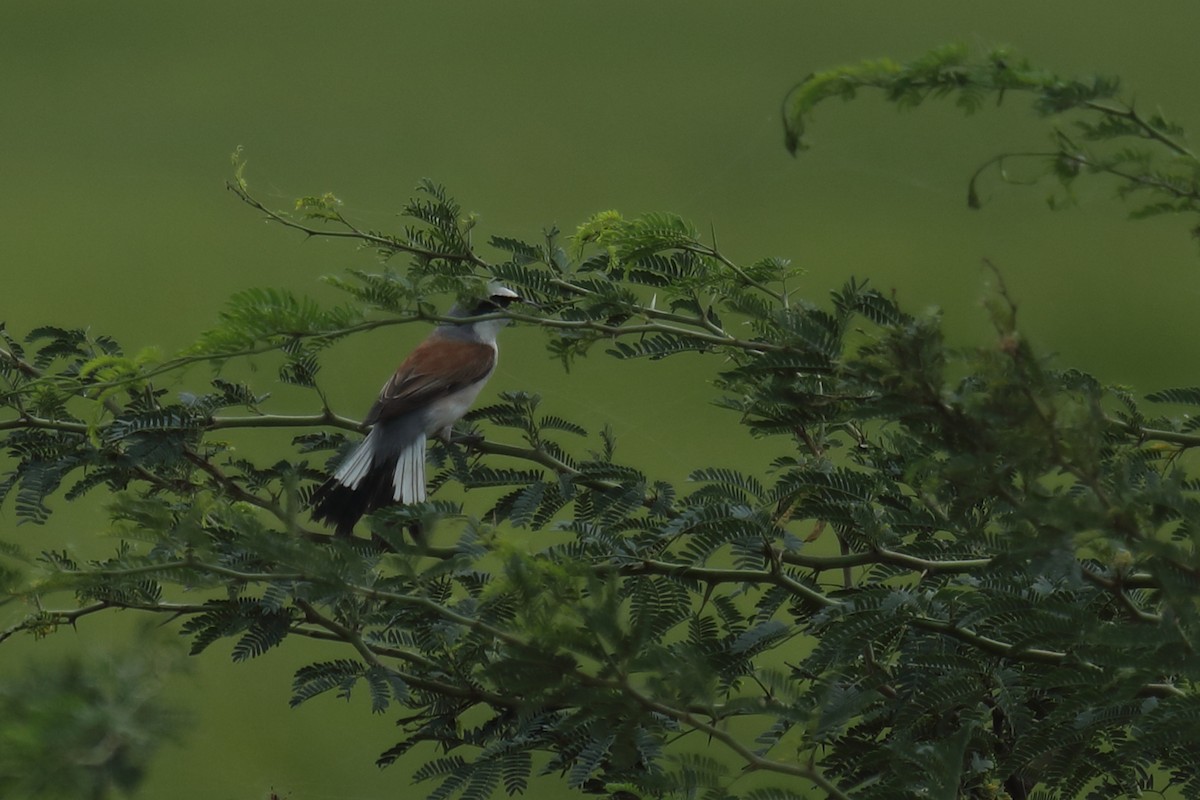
pixel 499 297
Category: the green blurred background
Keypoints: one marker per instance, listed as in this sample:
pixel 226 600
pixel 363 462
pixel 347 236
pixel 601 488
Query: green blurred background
pixel 119 118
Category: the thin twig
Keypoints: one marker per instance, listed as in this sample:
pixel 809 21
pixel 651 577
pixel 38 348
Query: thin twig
pixel 352 232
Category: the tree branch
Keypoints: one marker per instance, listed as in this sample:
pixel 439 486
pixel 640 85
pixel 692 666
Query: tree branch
pixel 753 760
pixel 385 242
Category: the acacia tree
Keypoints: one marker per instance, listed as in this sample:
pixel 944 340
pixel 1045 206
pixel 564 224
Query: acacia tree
pixel 969 572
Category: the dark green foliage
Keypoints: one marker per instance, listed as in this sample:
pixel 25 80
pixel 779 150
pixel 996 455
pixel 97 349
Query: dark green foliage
pixel 86 727
pixel 965 572
pixel 1184 396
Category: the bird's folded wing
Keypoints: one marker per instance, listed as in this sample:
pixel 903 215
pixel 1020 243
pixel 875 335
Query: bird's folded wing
pixel 436 368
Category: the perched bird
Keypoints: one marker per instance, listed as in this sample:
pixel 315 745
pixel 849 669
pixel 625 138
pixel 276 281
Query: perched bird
pixel 429 392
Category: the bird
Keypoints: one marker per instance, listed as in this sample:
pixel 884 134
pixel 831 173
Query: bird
pixel 431 390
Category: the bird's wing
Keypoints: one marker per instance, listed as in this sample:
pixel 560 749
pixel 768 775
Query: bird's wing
pixel 436 368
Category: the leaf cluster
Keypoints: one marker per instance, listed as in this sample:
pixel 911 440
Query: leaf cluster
pixel 1095 130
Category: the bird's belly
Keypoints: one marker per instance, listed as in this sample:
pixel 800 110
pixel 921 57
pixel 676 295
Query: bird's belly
pixel 446 411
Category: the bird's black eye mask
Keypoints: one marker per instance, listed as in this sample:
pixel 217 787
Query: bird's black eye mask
pixel 492 304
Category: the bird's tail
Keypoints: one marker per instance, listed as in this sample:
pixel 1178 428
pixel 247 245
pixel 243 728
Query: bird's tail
pixel 408 476
pixel 371 478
